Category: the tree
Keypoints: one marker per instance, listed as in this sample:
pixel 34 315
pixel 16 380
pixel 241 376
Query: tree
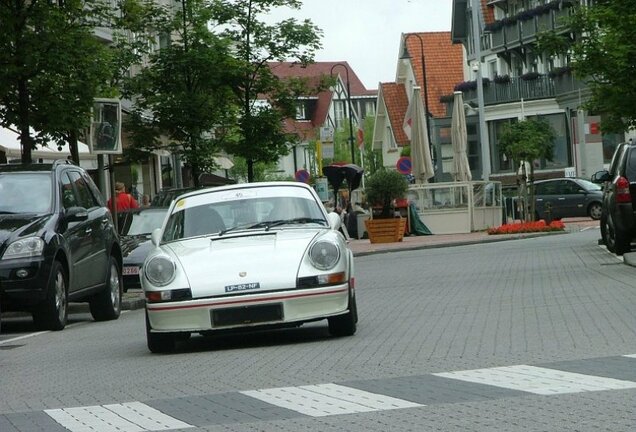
pixel 372 158
pixel 52 67
pixel 525 141
pixel 185 93
pixel 261 137
pixel 603 56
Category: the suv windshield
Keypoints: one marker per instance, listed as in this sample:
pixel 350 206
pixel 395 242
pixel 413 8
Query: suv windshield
pixel 25 193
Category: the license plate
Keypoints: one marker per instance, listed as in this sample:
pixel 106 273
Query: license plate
pixel 247 315
pixel 242 287
pixel 131 270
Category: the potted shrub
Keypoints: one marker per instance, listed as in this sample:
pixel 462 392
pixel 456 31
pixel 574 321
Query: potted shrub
pixel 382 188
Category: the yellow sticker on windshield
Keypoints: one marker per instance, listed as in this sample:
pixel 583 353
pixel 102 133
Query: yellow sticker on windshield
pixel 181 203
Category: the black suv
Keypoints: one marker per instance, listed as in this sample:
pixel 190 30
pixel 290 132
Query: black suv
pixel 57 244
pixel 618 219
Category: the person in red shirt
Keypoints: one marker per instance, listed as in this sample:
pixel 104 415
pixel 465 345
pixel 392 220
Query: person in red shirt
pixel 123 199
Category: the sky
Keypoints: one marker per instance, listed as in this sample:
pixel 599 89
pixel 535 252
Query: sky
pixel 366 33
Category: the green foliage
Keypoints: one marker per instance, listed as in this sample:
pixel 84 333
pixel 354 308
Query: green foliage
pixel 603 56
pixel 262 171
pixel 372 158
pixel 527 140
pixel 260 136
pixel 186 91
pixel 384 186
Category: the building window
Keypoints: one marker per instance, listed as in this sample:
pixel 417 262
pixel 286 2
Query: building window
pixel 390 138
pixel 300 111
pixel 339 111
pixel 492 69
pixel 370 109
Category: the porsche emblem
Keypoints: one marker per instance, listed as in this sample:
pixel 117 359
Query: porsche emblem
pixel 242 274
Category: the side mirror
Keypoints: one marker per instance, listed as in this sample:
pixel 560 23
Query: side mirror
pixel 155 237
pixel 600 176
pixel 334 221
pixel 76 214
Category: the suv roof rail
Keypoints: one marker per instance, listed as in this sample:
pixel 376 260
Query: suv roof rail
pixel 58 162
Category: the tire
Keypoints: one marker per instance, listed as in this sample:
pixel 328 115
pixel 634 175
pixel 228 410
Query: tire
pixel 595 211
pixel 603 227
pixel 159 343
pixel 345 325
pixel 617 240
pixel 52 313
pixel 106 305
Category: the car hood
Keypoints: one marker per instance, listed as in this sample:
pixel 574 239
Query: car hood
pixel 134 249
pixel 15 226
pixel 270 259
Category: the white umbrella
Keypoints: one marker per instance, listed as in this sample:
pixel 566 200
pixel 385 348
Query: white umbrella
pixel 459 139
pixel 416 130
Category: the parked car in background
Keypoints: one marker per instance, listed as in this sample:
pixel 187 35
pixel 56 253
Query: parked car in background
pixel 567 197
pixel 245 257
pixel 58 244
pixel 135 227
pixel 618 219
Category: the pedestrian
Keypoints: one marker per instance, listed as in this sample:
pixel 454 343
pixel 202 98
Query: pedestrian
pixel 145 200
pixel 123 199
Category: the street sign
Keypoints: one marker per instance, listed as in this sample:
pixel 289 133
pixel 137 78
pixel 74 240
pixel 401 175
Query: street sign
pixel 327 150
pixel 570 172
pixel 403 165
pixel 302 175
pixel 105 128
pixel 326 134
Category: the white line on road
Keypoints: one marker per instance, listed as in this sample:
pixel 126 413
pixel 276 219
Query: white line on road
pixel 327 399
pixel 126 417
pixel 538 380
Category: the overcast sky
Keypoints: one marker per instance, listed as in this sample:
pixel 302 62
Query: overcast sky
pixel 366 33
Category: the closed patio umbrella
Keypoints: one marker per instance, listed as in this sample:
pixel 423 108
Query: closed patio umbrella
pixel 459 140
pixel 416 130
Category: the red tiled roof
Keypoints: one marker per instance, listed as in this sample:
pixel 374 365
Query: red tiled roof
pixel 396 103
pixel 488 12
pixel 289 69
pixel 444 66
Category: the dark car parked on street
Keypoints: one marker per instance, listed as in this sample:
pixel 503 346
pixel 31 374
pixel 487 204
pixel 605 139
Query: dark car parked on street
pixel 135 227
pixel 567 197
pixel 618 218
pixel 58 244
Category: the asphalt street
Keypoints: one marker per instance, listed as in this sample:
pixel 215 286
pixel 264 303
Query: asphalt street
pixel 535 334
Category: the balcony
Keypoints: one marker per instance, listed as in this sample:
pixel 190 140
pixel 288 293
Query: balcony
pixel 543 87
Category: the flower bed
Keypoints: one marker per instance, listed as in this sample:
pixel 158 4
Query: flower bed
pixel 527 227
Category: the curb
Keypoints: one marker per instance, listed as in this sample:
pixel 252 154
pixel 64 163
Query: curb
pixel 629 258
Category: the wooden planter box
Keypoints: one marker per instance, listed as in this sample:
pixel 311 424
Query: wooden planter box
pixel 385 230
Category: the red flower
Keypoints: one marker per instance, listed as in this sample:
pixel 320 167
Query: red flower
pixel 527 227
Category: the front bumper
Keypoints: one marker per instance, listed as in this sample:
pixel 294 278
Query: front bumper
pixel 24 292
pixel 296 306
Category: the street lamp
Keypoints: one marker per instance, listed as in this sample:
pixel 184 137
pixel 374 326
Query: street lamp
pixel 406 55
pixel 353 153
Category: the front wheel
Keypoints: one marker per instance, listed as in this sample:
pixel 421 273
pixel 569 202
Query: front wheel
pixel 595 211
pixel 52 313
pixel 345 325
pixel 106 305
pixel 159 343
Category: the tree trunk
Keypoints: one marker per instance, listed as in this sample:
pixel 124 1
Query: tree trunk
pixel 250 170
pixel 72 145
pixel 25 134
pixel 533 204
pixel 524 180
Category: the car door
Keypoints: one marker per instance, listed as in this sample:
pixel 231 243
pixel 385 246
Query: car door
pixel 77 235
pixel 574 198
pixel 96 263
pixel 545 197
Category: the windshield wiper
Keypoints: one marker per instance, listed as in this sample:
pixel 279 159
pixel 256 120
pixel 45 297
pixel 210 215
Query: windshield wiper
pixel 271 224
pixel 6 212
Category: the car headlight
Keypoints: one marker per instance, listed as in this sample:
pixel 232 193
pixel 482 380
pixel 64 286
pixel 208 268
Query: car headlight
pixel 160 270
pixel 24 248
pixel 324 255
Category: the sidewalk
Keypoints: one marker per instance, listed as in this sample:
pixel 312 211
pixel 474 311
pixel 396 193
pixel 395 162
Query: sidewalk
pixel 134 298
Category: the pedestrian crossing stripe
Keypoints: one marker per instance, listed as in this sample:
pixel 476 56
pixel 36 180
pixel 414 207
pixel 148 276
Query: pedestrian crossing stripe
pixel 328 399
pixel 538 380
pixel 125 417
pixel 630 355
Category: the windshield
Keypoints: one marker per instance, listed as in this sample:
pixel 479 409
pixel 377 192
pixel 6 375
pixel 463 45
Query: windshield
pixel 234 210
pixel 25 193
pixel 589 186
pixel 144 222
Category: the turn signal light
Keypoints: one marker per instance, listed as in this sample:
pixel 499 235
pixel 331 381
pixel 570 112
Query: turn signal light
pixel 622 191
pixel 322 280
pixel 168 295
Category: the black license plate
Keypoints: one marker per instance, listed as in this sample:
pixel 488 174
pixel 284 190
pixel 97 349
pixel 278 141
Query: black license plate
pixel 247 315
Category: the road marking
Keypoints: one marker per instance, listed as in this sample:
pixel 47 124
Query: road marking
pixel 6 341
pixel 328 399
pixel 538 380
pixel 630 355
pixel 126 417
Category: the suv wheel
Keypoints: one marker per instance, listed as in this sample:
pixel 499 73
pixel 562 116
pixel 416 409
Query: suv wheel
pixel 107 304
pixel 617 241
pixel 595 210
pixel 52 313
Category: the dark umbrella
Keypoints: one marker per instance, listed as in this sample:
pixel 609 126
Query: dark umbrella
pixel 336 174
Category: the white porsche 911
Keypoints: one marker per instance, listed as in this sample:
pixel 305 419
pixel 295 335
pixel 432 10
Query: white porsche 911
pixel 247 256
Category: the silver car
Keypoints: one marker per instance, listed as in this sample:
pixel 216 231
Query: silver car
pixel 244 257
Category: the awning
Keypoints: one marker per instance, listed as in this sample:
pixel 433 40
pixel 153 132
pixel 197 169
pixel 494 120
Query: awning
pixel 10 144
